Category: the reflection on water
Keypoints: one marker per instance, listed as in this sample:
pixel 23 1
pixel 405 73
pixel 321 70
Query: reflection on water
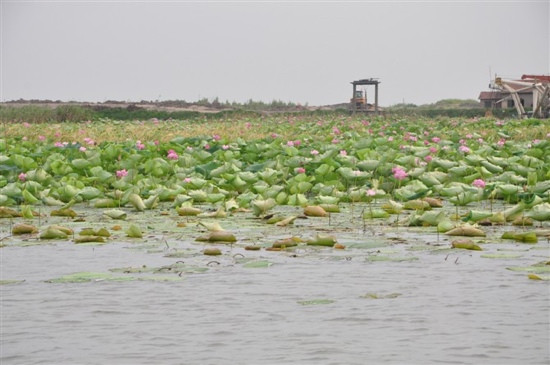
pixel 453 307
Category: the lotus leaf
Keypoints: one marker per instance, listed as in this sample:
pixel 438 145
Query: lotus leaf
pixel 88 239
pixel 136 202
pixel 212 252
pixel 8 213
pixel 316 301
pixel 285 222
pixel 476 215
pixel 375 214
pixel 22 228
pixel 63 213
pixel 260 264
pixel 527 237
pixel 105 203
pixel 211 226
pixel 218 236
pixel 314 211
pixel 392 207
pixel 466 230
pixel 417 204
pixel 115 214
pixel 52 233
pixel 322 240
pixel 539 212
pixel 465 244
pixel 85 277
pixel 134 231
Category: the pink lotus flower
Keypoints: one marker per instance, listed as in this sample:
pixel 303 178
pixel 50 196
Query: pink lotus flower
pixel 319 123
pixel 189 148
pixel 300 170
pixel 57 134
pixel 399 173
pixel 59 144
pixel 297 142
pixel 464 149
pixel 314 152
pixel 248 125
pixel 274 135
pixel 89 141
pixel 436 139
pixel 121 173
pixel 41 138
pixel 479 183
pixel 390 139
pixel 343 153
pixel 22 177
pixel 139 145
pixel 207 146
pixel 428 158
pixel 335 140
pixel 335 130
pixel 187 180
pixel 290 143
pixel 156 142
pixel 82 149
pixel 371 192
pixel 216 137
pixel 426 142
pixel 225 147
pixel 172 155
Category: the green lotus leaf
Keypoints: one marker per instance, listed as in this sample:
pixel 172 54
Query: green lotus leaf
pixel 476 215
pixel 260 207
pixel 22 228
pixel 27 212
pixel 316 301
pixel 540 212
pixel 375 213
pixel 115 214
pixel 218 236
pixel 258 264
pixel 466 230
pixel 466 245
pixel 29 197
pixel 527 237
pixel 198 196
pixel 67 212
pixel 134 231
pixel 105 203
pixel 322 240
pixel 151 202
pixel 100 174
pixel 491 167
pixel 80 163
pixel 215 197
pixel 417 204
pixel 52 233
pixel 444 164
pixel 392 207
pixel 89 239
pixel 89 193
pixel 432 218
pixel 86 277
pixel 513 212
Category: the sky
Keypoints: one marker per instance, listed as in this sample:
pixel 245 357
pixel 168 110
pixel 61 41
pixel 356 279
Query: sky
pixel 298 51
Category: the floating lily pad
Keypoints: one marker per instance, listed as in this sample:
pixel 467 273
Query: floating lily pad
pixel 381 296
pixel 260 264
pixel 316 301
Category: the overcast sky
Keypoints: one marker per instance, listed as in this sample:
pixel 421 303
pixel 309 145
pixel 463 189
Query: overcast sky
pixel 306 52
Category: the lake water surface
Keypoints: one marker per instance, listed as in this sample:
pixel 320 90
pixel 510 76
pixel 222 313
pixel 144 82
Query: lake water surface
pixel 429 305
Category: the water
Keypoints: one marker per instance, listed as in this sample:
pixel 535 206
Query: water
pixel 447 307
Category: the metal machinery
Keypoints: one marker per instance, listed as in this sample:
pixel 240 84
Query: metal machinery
pixel 540 89
pixel 358 101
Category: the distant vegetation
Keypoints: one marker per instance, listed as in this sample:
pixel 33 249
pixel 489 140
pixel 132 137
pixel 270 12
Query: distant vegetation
pixel 38 111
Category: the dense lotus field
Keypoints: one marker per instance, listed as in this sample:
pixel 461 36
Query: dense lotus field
pixel 452 176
